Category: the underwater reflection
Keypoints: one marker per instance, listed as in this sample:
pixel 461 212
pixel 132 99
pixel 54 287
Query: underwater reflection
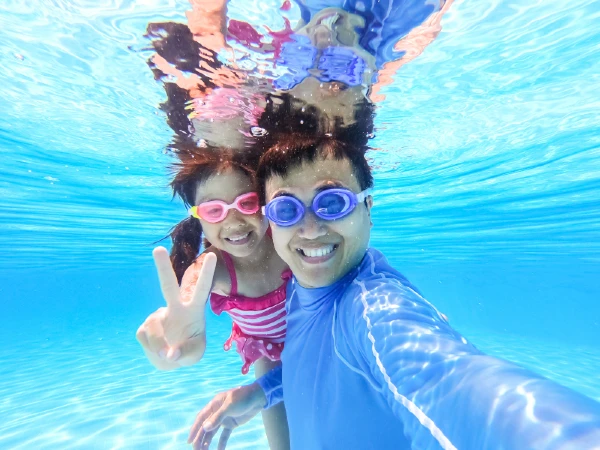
pixel 219 71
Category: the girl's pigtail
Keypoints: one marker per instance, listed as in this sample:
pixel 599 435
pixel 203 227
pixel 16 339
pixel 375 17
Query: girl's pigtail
pixel 186 237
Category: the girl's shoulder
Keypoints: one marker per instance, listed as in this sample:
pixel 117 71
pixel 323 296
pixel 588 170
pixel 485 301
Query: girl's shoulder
pixel 221 279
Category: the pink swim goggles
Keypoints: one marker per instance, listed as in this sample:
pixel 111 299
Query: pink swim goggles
pixel 216 210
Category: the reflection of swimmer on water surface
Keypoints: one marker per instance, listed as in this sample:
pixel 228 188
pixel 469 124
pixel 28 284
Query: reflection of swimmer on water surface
pixel 331 61
pixel 353 39
pixel 394 32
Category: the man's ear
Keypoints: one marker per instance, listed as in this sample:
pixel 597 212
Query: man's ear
pixel 369 205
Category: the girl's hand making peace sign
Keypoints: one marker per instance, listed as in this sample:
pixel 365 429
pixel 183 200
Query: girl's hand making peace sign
pixel 175 336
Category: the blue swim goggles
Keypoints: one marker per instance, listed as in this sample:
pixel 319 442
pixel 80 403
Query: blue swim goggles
pixel 330 204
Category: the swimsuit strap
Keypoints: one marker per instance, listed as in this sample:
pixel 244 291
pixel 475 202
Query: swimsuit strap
pixel 286 275
pixel 231 270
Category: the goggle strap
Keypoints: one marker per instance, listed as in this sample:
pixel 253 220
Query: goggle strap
pixel 361 196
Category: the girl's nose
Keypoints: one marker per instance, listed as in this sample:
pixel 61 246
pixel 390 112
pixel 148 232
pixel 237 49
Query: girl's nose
pixel 233 218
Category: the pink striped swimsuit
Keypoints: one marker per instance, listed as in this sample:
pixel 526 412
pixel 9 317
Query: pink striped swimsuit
pixel 259 323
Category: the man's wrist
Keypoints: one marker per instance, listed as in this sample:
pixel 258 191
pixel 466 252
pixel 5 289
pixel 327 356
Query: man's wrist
pixel 258 395
pixel 270 384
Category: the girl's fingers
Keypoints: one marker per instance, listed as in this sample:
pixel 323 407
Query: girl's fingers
pixel 141 336
pixel 168 281
pixel 153 337
pixel 192 350
pixel 157 345
pixel 204 282
pixel 173 354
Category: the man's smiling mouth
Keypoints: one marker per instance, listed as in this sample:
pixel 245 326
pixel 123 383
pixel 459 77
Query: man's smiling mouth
pixel 315 255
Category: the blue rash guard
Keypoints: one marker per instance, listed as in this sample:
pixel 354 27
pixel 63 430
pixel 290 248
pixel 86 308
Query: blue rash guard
pixel 370 364
pixel 386 21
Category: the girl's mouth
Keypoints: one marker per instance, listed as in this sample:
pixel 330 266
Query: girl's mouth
pixel 239 239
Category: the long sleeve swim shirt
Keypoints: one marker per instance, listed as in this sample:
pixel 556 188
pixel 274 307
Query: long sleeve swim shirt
pixel 370 364
pixel 385 21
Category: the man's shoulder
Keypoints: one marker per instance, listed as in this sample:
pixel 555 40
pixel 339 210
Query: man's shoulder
pixel 379 289
pixel 376 270
pixel 377 282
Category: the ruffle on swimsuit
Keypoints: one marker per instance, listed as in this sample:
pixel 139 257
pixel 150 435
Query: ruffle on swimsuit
pixel 259 323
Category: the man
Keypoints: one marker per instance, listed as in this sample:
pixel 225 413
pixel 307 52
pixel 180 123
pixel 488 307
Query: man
pixel 368 362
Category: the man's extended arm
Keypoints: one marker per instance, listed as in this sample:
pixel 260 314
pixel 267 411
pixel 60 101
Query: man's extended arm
pixel 443 389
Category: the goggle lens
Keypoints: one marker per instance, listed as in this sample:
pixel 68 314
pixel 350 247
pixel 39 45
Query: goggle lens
pixel 211 212
pixel 332 204
pixel 248 205
pixel 286 210
pixel 216 210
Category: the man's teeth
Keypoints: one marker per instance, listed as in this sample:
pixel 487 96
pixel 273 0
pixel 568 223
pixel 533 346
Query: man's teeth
pixel 316 252
pixel 238 238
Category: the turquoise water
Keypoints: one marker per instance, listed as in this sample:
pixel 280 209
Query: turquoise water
pixel 487 169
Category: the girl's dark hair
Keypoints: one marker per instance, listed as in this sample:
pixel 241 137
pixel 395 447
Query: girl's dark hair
pixel 175 43
pixel 195 166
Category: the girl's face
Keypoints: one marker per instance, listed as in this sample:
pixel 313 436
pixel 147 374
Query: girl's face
pixel 238 234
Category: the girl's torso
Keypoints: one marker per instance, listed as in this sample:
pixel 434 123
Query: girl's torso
pixel 259 322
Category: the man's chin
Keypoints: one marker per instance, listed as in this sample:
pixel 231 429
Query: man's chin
pixel 315 277
pixel 311 283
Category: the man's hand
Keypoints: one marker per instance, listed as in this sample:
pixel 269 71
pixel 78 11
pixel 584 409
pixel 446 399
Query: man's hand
pixel 174 336
pixel 229 410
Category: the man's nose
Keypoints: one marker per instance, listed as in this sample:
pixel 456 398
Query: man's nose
pixel 311 227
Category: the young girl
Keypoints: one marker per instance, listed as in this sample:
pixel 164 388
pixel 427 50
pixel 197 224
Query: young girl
pixel 249 277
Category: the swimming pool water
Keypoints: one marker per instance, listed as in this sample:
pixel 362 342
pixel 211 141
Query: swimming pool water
pixel 91 388
pixel 487 170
